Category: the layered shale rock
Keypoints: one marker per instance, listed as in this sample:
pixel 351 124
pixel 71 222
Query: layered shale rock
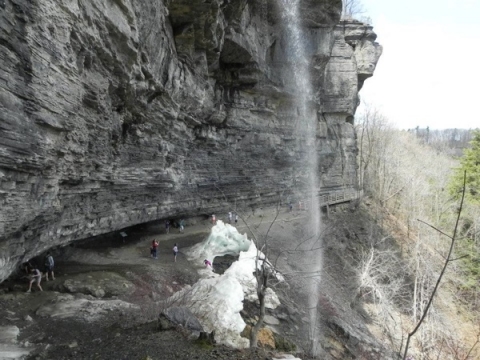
pixel 118 112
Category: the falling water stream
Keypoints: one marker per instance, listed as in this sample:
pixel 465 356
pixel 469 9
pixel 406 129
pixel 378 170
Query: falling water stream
pixel 305 124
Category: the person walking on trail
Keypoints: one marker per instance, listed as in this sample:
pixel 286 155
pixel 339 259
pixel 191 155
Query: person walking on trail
pixel 153 249
pixel 214 219
pixel 182 225
pixel 167 226
pixel 49 264
pixel 35 277
pixel 175 252
pixel 229 217
pixel 236 219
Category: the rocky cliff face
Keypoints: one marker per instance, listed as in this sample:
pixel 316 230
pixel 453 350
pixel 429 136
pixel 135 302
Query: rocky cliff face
pixel 118 112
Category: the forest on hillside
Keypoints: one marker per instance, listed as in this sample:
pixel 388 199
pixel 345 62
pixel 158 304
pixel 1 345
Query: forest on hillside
pixel 413 182
pixel 449 142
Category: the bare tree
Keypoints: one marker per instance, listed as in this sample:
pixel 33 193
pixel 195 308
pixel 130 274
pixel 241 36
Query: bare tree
pixel 407 179
pixel 448 259
pixel 265 272
pixel 352 9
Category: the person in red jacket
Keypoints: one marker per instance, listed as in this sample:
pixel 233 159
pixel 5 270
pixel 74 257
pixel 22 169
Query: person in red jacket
pixel 153 249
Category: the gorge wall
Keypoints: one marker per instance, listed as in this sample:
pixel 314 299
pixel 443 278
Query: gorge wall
pixel 118 112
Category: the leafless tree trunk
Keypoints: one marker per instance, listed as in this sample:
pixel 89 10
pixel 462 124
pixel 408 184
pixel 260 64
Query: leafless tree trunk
pixel 264 270
pixel 351 9
pixel 447 261
pixel 262 285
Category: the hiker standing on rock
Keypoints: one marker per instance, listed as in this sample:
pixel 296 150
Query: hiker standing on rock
pixel 229 217
pixel 214 220
pixel 35 277
pixel 175 252
pixel 49 264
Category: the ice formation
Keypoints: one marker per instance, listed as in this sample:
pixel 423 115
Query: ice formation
pixel 216 302
pixel 218 299
pixel 224 239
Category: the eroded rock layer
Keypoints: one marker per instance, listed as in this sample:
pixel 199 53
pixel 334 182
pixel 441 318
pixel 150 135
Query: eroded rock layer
pixel 118 112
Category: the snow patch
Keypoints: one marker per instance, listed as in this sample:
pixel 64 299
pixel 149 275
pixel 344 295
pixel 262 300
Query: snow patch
pixel 217 300
pixel 8 344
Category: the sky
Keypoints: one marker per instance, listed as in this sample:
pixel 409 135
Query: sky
pixel 429 72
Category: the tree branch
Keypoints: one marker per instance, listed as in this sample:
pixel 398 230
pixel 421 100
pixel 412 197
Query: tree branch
pixel 447 261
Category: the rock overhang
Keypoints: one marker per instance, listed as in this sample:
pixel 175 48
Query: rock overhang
pixel 102 131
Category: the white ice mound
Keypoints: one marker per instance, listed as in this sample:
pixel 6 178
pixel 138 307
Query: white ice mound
pixel 8 344
pixel 243 271
pixel 217 300
pixel 224 239
pixel 217 303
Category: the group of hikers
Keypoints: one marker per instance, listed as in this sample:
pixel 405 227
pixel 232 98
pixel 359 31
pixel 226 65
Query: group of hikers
pixel 231 218
pixel 154 250
pixel 181 225
pixel 154 254
pixel 35 275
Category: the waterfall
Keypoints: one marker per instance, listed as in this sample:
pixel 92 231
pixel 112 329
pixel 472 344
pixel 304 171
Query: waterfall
pixel 306 126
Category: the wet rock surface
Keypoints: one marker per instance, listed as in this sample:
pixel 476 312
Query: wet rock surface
pixel 182 316
pixel 98 284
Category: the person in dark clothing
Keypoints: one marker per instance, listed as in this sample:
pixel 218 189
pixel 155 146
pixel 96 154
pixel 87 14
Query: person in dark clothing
pixel 26 267
pixel 49 264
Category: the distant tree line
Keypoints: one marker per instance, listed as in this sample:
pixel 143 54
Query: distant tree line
pixel 447 141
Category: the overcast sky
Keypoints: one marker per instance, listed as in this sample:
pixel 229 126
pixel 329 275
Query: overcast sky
pixel 429 73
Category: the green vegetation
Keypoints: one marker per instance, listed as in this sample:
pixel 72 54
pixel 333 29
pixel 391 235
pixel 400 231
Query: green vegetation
pixel 470 163
pixel 283 344
pixel 468 250
pixel 204 344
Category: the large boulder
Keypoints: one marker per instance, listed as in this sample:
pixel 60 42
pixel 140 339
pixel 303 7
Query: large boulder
pixel 98 284
pixel 179 316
